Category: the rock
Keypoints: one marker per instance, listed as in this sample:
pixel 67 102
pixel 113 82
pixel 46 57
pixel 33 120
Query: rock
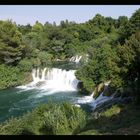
pixel 40 83
pixel 108 91
pixel 98 90
pixel 80 85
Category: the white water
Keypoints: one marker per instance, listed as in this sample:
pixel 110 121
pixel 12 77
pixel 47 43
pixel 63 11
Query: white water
pixel 85 99
pixel 52 79
pixel 75 59
pixel 55 80
pixel 93 103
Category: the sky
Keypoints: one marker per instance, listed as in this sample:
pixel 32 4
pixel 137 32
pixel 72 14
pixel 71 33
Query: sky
pixel 24 14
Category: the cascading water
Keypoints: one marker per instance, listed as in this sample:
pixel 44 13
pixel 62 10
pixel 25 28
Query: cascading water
pixel 53 79
pixel 49 83
pixel 43 74
pixel 85 99
pixel 75 59
pixel 93 103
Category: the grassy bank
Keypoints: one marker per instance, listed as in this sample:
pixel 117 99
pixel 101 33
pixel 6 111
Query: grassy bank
pixel 117 120
pixel 50 119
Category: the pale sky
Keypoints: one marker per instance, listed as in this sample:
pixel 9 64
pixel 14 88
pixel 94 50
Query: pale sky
pixel 23 14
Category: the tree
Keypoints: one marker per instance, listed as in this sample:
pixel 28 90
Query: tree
pixel 135 22
pixel 99 21
pixel 102 67
pixel 37 27
pixel 45 58
pixel 122 21
pixel 131 27
pixel 85 34
pixel 11 43
pixel 64 24
pixel 24 29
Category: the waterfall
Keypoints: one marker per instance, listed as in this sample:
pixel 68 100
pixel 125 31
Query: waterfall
pixel 53 79
pixel 75 59
pixel 43 74
pixel 85 99
pixel 58 78
pixel 35 75
pixel 101 98
pixel 92 94
pixel 95 102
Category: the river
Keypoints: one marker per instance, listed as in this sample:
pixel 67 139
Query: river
pixel 57 84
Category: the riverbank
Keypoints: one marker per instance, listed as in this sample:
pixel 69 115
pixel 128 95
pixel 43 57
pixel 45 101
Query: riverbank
pixel 117 120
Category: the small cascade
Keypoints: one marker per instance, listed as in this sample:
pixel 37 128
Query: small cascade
pixel 53 79
pixel 85 99
pixel 101 98
pixel 75 59
pixel 93 103
pixel 35 75
pixel 92 94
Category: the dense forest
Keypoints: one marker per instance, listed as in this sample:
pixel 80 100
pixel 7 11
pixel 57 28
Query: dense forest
pixel 112 45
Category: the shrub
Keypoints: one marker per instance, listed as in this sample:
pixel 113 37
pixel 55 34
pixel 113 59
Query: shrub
pixel 12 127
pixel 114 110
pixel 50 119
pixel 63 119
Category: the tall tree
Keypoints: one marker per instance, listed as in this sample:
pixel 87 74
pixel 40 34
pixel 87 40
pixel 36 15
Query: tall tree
pixel 11 43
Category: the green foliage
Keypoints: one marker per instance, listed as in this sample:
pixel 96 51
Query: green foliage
pixel 51 119
pixel 122 21
pixel 130 27
pixel 133 62
pixel 10 76
pixel 11 44
pixel 45 58
pixel 25 65
pixel 114 110
pixel 113 121
pixel 55 122
pixel 135 22
pixel 101 68
pixel 111 61
pixel 24 29
pixel 38 27
pixel 63 120
pixel 99 21
pixel 13 126
pixel 112 46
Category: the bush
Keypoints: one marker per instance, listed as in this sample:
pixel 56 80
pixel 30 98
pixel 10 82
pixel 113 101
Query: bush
pixel 50 119
pixel 63 119
pixel 25 65
pixel 114 110
pixel 12 76
pixel 12 127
